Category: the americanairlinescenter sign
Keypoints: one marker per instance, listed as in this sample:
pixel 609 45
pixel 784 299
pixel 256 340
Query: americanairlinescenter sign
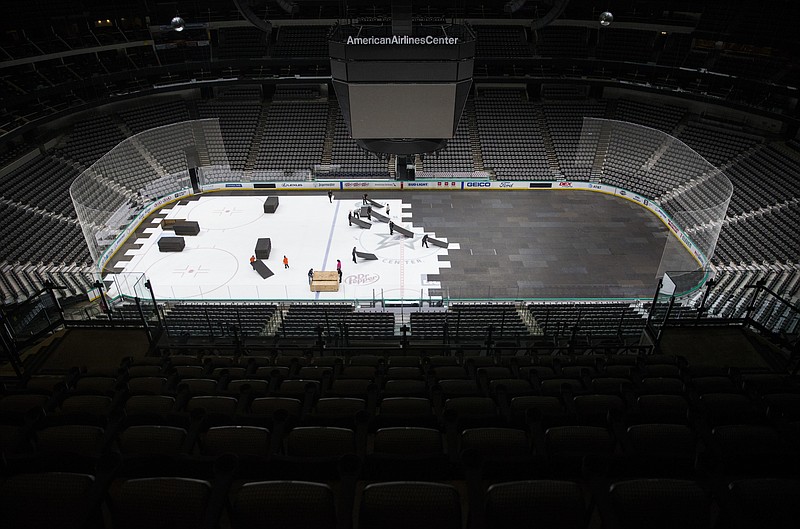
pixel 404 39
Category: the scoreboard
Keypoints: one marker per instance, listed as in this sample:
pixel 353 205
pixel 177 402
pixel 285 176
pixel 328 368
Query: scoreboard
pixel 402 94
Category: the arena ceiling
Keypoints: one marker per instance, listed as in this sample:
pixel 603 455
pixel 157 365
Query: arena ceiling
pixel 762 22
pixel 760 35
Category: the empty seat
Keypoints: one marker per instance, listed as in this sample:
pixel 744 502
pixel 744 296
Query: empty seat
pixel 405 411
pixel 660 504
pixel 240 440
pixel 661 386
pixel 13 408
pixel 285 504
pixel 729 408
pixel 349 388
pixel 149 405
pixel 160 503
pixel 569 447
pixel 147 385
pixel 549 410
pixel 215 405
pixel 543 503
pixel 49 499
pixel 152 440
pixel 403 361
pixel 337 410
pixel 408 441
pixel 254 386
pixel 661 409
pixel 266 406
pixel 662 449
pixel 198 386
pixel 89 385
pixel 593 410
pixel 453 372
pixel 405 388
pixel 404 504
pixel 496 443
pixel 762 502
pixel 95 406
pixel 459 388
pixel 76 439
pixel 320 441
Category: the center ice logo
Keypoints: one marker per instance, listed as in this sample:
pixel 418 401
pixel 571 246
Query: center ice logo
pixel 362 279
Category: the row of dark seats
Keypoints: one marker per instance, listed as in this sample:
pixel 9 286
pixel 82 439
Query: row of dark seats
pixel 693 399
pixel 76 500
pixel 622 441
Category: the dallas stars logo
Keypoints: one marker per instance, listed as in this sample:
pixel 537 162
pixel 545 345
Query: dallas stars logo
pixel 391 241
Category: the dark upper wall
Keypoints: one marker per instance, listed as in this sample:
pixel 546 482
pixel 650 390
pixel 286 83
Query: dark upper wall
pixel 55 56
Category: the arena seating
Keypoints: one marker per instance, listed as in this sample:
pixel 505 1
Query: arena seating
pixel 628 155
pixel 562 41
pixel 242 42
pixel 456 157
pixel 167 148
pixel 771 236
pixel 716 144
pixel 336 320
pixel 130 312
pixel 297 93
pixel 238 120
pixel 91 138
pixel 660 117
pixel 762 179
pixel 42 183
pixel 301 41
pixel 160 113
pixel 212 319
pixel 590 320
pixel 464 321
pixel 22 244
pixel 13 150
pixel 666 169
pixel 347 159
pixel 511 136
pixel 527 436
pixel 299 124
pixel 564 121
pixel 141 168
pixel 730 297
pixel 501 41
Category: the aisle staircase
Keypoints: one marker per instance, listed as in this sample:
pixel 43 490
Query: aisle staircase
pixel 258 138
pixel 330 133
pixel 550 150
pixel 598 164
pixel 474 136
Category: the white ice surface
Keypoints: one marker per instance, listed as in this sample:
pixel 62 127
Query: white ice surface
pixel 309 230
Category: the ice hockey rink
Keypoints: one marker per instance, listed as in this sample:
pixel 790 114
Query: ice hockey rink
pixel 311 231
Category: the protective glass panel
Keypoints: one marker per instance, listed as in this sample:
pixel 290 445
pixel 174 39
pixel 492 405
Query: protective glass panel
pixel 152 164
pixel 688 194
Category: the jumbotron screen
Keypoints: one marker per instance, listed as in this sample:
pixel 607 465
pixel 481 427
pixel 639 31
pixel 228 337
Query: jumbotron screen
pixel 384 110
